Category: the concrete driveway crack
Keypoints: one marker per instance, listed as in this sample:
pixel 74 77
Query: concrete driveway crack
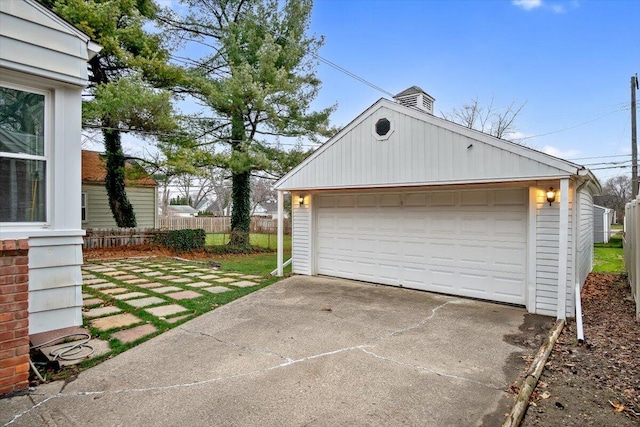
pixel 243 347
pixel 410 328
pixel 433 371
pixel 288 362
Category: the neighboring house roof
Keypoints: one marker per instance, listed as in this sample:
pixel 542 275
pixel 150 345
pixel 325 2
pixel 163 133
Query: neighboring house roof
pixel 94 171
pixel 182 209
pixel 421 149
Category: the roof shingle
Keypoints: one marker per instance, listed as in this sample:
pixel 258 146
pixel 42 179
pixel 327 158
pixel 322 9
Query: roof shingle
pixel 94 171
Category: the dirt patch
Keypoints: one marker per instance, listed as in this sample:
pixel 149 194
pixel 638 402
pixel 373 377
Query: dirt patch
pixel 533 332
pixel 596 383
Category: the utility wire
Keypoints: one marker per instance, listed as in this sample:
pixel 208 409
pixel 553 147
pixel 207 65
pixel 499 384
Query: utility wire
pixel 599 157
pixel 574 126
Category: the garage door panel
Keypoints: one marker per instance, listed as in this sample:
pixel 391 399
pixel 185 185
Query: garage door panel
pixel 325 201
pixel 443 199
pixel 346 201
pixel 461 243
pixel 476 226
pixel 366 201
pixel 474 198
pixel 442 224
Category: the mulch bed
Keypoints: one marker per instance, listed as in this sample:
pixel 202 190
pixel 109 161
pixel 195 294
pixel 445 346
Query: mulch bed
pixel 596 383
pixel 153 250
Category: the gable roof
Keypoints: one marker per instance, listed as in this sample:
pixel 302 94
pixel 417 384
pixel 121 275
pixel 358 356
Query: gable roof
pixel 420 150
pixel 182 209
pixel 94 171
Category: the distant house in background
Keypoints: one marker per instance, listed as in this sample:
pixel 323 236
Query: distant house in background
pixel 184 211
pixel 602 218
pixel 617 216
pixel 268 209
pixel 141 189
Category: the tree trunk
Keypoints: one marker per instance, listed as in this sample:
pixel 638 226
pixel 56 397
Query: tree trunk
pixel 241 212
pixel 240 192
pixel 114 181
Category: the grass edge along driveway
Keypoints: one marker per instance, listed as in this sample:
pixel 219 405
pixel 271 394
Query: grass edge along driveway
pixel 258 266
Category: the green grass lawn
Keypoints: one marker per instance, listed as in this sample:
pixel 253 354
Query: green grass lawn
pixel 609 257
pixel 269 241
pixel 258 264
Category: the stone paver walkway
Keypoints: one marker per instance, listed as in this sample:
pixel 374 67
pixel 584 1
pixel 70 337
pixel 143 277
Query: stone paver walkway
pixel 130 299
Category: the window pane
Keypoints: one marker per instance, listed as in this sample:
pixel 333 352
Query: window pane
pixel 21 122
pixel 22 190
pixel 83 203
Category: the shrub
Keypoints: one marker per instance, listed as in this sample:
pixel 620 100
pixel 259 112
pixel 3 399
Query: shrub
pixel 182 240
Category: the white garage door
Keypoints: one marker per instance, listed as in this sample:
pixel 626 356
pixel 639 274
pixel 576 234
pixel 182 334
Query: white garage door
pixel 470 243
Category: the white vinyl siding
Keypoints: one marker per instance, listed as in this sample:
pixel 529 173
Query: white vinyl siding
pixel 547 253
pixel 143 199
pixel 55 283
pixel 36 41
pixel 422 149
pixel 601 224
pixel 585 232
pixel 44 54
pixel 301 235
pixel 470 243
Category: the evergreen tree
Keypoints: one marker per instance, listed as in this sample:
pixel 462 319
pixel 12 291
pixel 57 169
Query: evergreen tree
pixel 258 81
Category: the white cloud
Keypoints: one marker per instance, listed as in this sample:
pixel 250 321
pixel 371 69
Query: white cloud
pixel 558 8
pixel 527 4
pixel 559 153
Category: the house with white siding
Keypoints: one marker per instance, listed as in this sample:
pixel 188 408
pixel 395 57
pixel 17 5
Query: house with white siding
pixel 602 220
pixel 142 191
pixel 403 198
pixel 43 70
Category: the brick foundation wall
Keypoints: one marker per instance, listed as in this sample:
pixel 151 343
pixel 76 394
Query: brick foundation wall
pixel 14 315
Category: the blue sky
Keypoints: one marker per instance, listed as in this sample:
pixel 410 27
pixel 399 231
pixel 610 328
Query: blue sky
pixel 570 61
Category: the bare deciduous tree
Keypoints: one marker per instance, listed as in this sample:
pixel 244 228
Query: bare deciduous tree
pixel 489 119
pixel 261 192
pixel 617 192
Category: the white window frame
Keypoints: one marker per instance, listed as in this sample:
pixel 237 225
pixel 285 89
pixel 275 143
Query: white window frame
pixel 84 217
pixel 46 157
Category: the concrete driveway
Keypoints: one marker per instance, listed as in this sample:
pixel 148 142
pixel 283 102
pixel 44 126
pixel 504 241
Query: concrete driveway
pixel 306 352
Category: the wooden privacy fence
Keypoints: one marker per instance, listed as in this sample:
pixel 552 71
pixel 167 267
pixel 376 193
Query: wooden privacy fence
pixel 631 241
pixel 222 224
pixel 114 237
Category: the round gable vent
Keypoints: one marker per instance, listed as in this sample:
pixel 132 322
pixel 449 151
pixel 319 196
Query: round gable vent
pixel 383 126
pixel 383 129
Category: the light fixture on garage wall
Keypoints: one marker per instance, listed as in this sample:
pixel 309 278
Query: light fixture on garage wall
pixel 551 195
pixel 300 201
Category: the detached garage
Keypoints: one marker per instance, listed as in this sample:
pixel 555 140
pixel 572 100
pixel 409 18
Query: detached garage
pixel 403 198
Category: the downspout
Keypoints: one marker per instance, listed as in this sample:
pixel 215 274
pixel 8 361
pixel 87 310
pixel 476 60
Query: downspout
pixel 563 249
pixel 280 253
pixel 578 297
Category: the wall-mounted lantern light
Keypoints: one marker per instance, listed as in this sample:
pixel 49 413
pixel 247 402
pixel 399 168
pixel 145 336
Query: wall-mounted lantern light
pixel 551 195
pixel 300 201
